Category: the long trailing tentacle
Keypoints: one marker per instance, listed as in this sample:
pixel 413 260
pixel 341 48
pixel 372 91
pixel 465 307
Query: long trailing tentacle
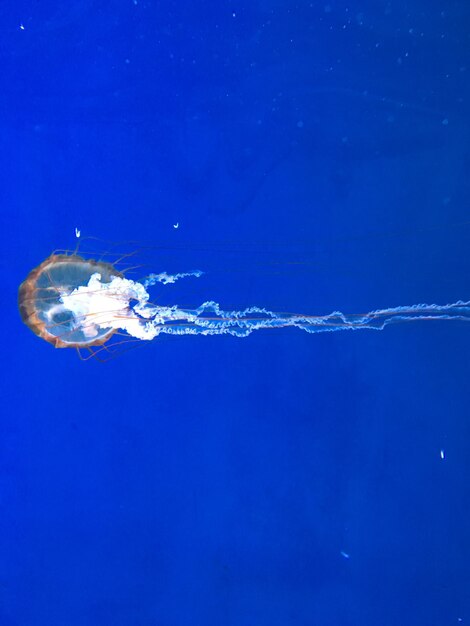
pixel 123 304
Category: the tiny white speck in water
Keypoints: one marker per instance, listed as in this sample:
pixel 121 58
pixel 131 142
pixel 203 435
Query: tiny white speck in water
pixel 443 456
pixel 344 554
pixel 77 233
pixel 177 225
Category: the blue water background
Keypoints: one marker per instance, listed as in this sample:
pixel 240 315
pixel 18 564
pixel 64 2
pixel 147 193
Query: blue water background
pixel 315 158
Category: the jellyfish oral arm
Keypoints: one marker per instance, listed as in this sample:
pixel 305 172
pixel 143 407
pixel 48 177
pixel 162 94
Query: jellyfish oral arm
pixel 167 279
pixel 99 306
pixel 123 304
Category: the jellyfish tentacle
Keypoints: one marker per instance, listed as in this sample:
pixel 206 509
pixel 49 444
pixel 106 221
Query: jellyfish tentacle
pixel 143 320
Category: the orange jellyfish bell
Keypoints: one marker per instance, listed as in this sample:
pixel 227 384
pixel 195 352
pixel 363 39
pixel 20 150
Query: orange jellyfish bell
pixel 40 300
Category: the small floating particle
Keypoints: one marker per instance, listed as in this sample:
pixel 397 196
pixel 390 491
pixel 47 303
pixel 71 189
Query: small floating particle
pixel 177 225
pixel 77 233
pixel 443 455
pixel 344 554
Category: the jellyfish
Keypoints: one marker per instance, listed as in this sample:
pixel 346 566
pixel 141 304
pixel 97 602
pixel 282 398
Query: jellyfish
pixel 74 302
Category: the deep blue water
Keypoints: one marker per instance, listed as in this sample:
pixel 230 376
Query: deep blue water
pixel 315 157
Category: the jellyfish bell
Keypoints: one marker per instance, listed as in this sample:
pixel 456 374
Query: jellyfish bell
pixel 42 307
